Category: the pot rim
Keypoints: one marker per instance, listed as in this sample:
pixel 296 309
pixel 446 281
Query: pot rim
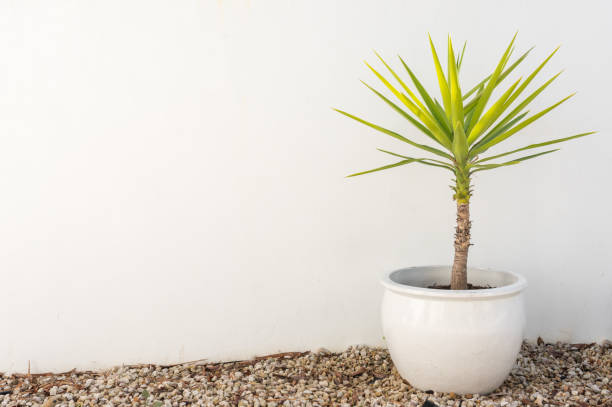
pixel 514 288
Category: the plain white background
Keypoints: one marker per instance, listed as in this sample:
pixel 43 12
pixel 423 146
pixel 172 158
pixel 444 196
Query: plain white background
pixel 172 176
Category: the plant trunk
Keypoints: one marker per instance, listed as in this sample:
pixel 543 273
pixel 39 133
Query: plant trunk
pixel 462 245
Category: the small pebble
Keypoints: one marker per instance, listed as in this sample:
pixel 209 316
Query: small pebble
pixel 545 374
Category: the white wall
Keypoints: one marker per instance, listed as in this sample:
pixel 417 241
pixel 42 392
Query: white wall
pixel 171 175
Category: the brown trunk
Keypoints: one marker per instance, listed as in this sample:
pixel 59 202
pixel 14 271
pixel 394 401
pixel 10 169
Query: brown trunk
pixel 462 245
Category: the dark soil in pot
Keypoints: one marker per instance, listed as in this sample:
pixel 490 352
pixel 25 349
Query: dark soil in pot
pixel 470 287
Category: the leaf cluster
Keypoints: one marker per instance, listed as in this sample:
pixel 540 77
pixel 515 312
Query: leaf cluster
pixel 463 126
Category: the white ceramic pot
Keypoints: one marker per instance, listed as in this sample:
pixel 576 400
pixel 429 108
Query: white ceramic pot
pixel 450 340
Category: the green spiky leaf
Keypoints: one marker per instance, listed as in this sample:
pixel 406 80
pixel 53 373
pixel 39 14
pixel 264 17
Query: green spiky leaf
pixel 401 111
pixel 525 102
pixel 529 79
pixel 397 136
pixel 531 146
pixel 460 144
pixel 455 90
pixel 501 77
pixel 444 90
pixel 484 167
pixel 414 98
pixel 435 110
pixel 491 115
pixel 460 58
pixel 486 93
pixel 384 167
pixel 495 132
pixel 503 136
pixel 425 118
pixel 426 161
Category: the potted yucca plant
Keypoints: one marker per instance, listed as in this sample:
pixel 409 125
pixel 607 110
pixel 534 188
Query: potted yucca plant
pixel 454 328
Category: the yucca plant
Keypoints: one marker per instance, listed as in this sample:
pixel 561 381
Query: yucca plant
pixel 463 128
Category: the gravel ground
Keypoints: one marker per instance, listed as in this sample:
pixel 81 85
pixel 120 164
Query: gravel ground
pixel 546 374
